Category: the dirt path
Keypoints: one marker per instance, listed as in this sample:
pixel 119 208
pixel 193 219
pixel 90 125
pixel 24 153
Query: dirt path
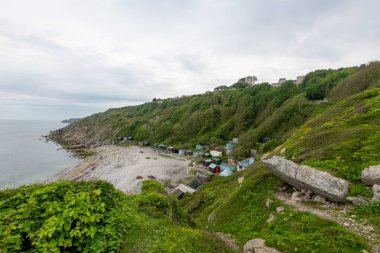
pixel 340 215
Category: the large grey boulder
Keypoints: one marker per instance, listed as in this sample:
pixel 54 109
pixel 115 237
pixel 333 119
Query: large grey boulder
pixel 371 175
pixel 305 177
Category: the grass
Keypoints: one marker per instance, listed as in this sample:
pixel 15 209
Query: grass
pixel 370 213
pixel 243 212
pixel 95 217
pixel 343 140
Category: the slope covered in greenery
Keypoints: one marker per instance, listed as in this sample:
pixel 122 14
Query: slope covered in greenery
pixel 344 139
pixel 250 113
pixel 95 217
pixel 243 211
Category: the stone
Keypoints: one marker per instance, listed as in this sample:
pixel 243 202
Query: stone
pixel 295 196
pixel 283 150
pixel 268 202
pixel 371 175
pixel 376 192
pixel 270 219
pixel 280 209
pixel 305 177
pixel 357 201
pixel 258 246
pixel 320 199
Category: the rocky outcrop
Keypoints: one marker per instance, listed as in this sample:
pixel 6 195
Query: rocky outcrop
pixel 358 201
pixel 376 192
pixel 305 177
pixel 258 246
pixel 371 175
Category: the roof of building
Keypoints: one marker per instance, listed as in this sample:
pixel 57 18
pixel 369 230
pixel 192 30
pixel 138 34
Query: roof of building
pixel 246 162
pixel 185 188
pixel 226 166
pixel 212 166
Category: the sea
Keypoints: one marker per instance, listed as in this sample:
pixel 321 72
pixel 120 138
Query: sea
pixel 26 157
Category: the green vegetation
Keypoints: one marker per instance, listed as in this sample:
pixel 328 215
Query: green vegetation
pixel 370 213
pixel 250 112
pixel 243 211
pixel 368 77
pixel 317 84
pixel 339 134
pixel 344 139
pixel 95 217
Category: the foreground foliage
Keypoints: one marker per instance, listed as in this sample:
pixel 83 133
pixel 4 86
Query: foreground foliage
pixel 243 211
pixel 63 216
pixel 95 217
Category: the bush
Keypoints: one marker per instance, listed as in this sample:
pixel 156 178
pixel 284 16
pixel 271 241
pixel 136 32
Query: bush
pixel 65 216
pixel 152 186
pixel 153 204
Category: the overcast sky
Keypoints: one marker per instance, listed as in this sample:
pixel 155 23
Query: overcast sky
pixel 62 59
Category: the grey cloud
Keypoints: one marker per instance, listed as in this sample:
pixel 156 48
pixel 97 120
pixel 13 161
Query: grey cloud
pixel 86 56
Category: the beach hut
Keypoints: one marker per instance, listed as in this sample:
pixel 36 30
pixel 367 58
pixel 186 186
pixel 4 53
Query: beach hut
pixel 198 181
pixel 185 189
pixel 178 193
pixel 226 173
pixel 232 161
pixel 162 147
pixel 217 161
pixel 199 147
pixel 181 152
pixel 215 153
pixel 198 154
pixel 226 166
pixel 230 146
pixel 245 163
pixel 235 140
pixel 214 168
pixel 207 162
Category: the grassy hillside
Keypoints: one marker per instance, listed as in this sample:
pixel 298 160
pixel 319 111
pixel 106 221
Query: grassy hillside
pixel 344 139
pixel 95 217
pixel 213 118
pixel 223 205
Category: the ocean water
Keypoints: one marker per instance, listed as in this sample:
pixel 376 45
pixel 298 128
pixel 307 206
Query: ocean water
pixel 25 157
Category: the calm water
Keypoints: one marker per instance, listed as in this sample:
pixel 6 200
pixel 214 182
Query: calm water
pixel 27 158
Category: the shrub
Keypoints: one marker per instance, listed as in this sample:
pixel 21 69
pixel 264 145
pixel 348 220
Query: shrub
pixel 153 204
pixel 65 216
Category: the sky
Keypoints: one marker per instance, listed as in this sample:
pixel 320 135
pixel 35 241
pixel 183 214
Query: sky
pixel 64 58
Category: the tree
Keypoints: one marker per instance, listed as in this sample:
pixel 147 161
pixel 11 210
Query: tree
pixel 221 87
pixel 244 82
